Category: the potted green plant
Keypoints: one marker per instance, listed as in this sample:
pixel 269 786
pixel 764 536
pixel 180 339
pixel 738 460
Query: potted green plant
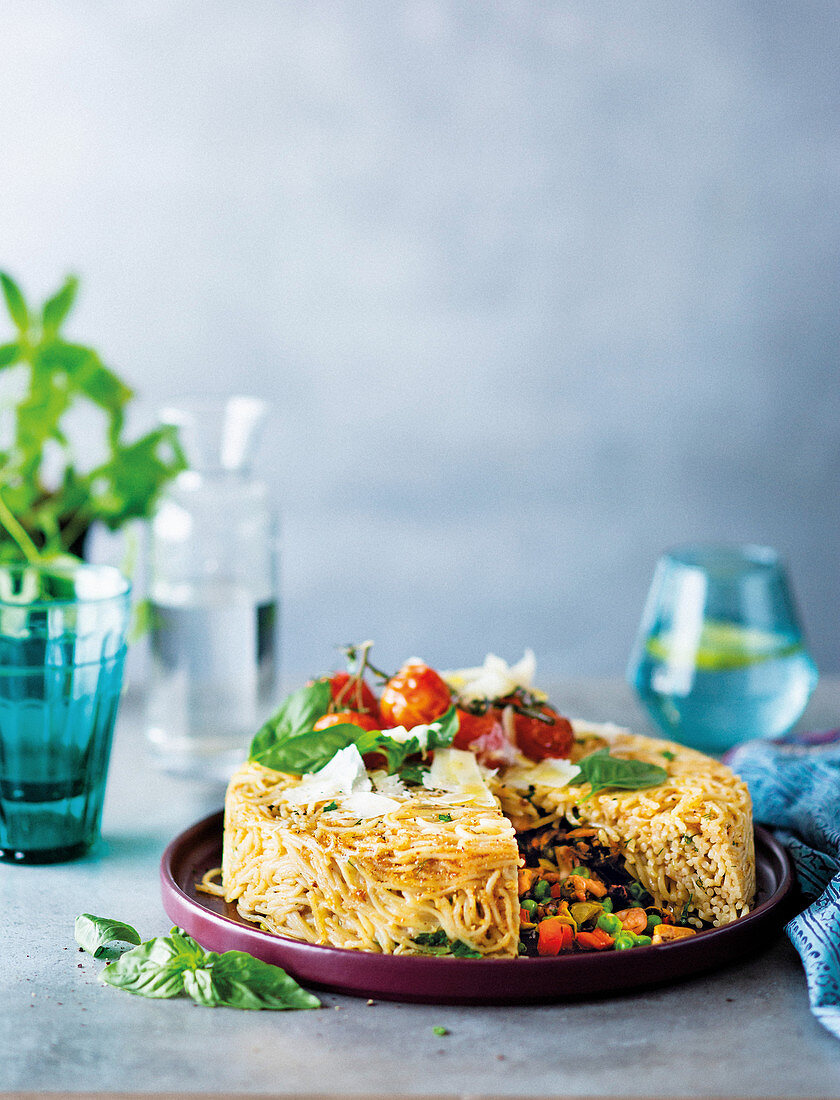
pixel 44 517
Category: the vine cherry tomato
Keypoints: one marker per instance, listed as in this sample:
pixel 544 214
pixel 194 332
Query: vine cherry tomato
pixel 473 726
pixel 415 696
pixel 539 740
pixel 485 735
pixel 350 693
pixel 348 717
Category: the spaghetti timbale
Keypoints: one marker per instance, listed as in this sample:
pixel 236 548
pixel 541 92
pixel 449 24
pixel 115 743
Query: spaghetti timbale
pixel 440 864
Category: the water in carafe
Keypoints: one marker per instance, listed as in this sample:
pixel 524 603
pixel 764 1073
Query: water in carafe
pixel 214 608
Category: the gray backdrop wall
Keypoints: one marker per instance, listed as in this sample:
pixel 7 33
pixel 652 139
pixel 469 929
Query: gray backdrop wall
pixel 535 289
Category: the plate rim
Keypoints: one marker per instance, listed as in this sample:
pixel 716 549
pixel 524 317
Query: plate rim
pixel 366 973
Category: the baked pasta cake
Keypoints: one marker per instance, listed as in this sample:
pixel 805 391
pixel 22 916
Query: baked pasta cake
pixel 459 813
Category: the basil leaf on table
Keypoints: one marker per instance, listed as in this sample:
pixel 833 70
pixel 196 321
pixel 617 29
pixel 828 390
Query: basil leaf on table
pixel 603 771
pixel 96 935
pixel 169 966
pixel 237 980
pixel 154 969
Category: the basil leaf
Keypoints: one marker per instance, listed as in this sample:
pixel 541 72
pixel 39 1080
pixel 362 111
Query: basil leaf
pixel 603 771
pixel 306 752
pixel 287 742
pixel 440 734
pixel 170 965
pixel 432 939
pixel 443 730
pixel 395 752
pixel 237 980
pixel 95 934
pixel 436 943
pixel 154 969
pixel 413 773
pixel 296 715
pixel 463 950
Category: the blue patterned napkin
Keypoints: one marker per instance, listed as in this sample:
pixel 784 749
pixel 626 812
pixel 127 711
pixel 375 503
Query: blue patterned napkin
pixel 795 786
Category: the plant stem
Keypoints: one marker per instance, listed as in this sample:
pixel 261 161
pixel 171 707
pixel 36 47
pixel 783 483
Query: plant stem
pixel 18 533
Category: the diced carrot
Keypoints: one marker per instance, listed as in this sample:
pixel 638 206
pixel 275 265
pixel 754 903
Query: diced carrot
pixel 555 935
pixel 595 940
pixel 557 890
pixel 525 917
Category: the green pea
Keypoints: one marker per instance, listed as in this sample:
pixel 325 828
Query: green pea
pixel 581 872
pixel 609 922
pixel 529 906
pixel 643 941
pixel 607 905
pixel 653 920
pixel 636 890
pixel 624 941
pixel 541 890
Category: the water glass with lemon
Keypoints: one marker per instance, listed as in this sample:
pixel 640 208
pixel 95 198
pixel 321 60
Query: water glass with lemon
pixel 720 657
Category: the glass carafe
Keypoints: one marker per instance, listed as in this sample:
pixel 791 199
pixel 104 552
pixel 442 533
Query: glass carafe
pixel 213 586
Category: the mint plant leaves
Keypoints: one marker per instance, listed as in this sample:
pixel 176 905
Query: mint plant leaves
pixel 41 519
pixel 175 965
pixel 603 771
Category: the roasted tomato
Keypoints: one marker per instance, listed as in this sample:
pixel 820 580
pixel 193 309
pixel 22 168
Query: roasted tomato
pixel 485 735
pixel 348 717
pixel 473 726
pixel 353 694
pixel 538 739
pixel 414 697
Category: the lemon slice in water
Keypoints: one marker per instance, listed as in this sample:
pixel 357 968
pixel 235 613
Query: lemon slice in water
pixel 722 646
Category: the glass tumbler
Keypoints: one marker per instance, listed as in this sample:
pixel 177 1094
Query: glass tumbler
pixel 62 649
pixel 719 657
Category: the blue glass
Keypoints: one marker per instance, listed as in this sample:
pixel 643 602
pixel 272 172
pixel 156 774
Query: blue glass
pixel 719 657
pixel 62 650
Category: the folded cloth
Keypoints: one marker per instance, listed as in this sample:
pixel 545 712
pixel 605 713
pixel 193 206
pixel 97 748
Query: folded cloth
pixel 794 782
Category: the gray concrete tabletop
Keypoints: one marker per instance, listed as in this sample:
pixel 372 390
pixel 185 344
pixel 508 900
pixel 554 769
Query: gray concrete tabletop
pixel 743 1031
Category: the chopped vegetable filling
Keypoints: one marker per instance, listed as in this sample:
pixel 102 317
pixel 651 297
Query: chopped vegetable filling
pixel 575 895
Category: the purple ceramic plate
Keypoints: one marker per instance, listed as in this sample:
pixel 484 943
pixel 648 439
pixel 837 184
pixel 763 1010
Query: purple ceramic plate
pixel 218 927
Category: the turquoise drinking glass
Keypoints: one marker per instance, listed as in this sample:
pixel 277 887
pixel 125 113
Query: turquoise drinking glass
pixel 720 657
pixel 62 650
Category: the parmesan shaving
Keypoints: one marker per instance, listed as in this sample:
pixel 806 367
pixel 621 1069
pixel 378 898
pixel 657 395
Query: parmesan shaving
pixel 494 679
pixel 457 771
pixel 552 772
pixel 344 774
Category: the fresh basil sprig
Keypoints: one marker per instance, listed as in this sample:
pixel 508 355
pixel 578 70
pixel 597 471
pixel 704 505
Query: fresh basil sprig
pixel 99 936
pixel 169 966
pixel 288 743
pixel 603 771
